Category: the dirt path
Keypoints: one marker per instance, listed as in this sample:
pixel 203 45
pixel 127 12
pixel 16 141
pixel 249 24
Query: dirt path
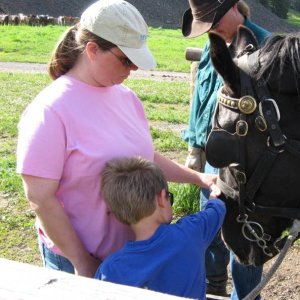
pixel 42 68
pixel 285 283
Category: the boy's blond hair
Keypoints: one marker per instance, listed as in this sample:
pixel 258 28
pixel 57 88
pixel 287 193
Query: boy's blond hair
pixel 129 187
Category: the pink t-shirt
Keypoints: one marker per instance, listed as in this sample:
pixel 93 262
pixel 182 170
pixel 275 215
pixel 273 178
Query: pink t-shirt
pixel 68 133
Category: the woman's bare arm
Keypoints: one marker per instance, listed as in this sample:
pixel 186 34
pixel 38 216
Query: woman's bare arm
pixel 41 193
pixel 179 173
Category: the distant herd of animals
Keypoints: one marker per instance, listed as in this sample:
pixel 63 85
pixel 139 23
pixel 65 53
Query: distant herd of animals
pixel 37 20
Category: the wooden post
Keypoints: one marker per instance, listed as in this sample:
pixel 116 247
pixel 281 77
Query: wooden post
pixel 194 69
pixel 193 55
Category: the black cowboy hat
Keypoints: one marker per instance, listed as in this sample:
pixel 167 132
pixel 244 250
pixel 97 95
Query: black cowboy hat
pixel 203 14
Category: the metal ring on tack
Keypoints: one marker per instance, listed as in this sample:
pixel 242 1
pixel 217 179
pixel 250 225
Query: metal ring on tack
pixel 267 252
pixel 242 218
pixel 257 237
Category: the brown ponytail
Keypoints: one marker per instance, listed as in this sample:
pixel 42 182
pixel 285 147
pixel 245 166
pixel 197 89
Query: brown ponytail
pixel 65 54
pixel 71 44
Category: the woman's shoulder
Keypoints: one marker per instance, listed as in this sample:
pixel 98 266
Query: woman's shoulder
pixel 125 89
pixel 53 92
pixel 128 92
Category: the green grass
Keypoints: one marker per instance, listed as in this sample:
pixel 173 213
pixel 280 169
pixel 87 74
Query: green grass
pixel 166 141
pixel 168 47
pixel 186 198
pixel 35 44
pixel 169 104
pixel 17 233
pixel 28 43
pixel 294 17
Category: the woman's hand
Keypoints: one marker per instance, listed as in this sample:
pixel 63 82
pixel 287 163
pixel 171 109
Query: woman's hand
pixel 207 180
pixel 87 266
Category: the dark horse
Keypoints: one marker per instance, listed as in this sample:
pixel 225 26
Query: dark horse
pixel 255 141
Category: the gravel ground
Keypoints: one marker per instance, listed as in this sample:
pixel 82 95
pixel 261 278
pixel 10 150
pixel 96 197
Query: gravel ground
pixel 285 283
pixel 42 68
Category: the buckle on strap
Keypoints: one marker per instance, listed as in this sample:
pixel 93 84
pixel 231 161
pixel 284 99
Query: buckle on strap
pixel 270 111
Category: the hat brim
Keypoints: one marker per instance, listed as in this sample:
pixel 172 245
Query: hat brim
pixel 141 57
pixel 192 28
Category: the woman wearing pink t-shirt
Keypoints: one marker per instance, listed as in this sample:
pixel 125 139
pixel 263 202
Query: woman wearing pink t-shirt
pixel 84 118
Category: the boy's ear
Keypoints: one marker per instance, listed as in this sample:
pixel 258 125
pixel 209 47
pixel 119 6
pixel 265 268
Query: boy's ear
pixel 161 198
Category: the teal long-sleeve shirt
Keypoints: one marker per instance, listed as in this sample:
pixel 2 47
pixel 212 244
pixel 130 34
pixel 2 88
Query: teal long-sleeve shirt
pixel 208 82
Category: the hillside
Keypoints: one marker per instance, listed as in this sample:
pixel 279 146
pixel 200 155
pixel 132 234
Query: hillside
pixel 164 13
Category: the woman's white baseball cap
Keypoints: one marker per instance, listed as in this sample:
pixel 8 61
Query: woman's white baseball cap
pixel 120 23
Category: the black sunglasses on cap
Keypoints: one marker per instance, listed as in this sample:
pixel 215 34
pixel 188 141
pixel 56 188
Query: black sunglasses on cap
pixel 124 60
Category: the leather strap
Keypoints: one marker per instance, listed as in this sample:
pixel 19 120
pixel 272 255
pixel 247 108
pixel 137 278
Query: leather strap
pixel 270 115
pixel 227 190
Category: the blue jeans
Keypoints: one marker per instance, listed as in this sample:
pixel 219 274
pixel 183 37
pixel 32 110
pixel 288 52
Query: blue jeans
pixel 245 278
pixel 54 261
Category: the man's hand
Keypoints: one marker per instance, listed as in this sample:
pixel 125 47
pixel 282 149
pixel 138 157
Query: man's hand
pixel 195 159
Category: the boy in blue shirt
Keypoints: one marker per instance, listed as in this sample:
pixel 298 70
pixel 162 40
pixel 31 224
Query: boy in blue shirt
pixel 164 257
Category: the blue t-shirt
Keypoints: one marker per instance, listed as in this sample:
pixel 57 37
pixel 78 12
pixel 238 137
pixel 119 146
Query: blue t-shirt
pixel 208 82
pixel 171 261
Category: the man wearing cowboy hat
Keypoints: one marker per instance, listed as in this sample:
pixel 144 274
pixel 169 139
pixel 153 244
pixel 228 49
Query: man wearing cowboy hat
pixel 223 17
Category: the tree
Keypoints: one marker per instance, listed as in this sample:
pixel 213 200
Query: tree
pixel 281 8
pixel 295 4
pixel 265 3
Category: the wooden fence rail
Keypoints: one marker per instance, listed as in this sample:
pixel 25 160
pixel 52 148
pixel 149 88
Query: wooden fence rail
pixel 19 281
pixel 27 282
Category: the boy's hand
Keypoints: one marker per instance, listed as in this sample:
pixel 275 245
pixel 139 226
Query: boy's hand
pixel 215 191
